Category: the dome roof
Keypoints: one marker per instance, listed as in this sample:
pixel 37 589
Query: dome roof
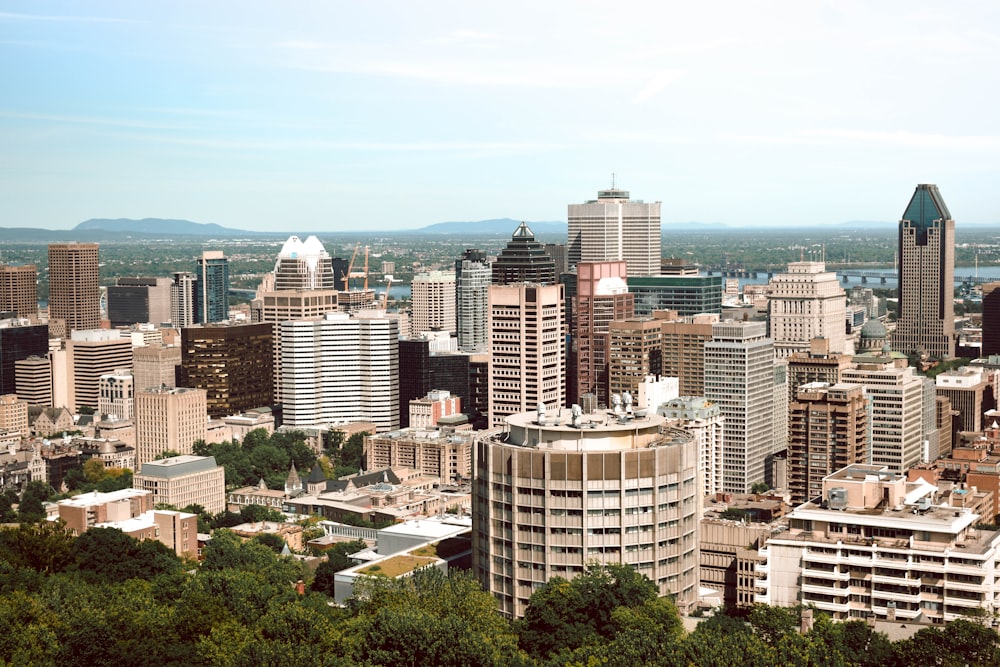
pixel 873 329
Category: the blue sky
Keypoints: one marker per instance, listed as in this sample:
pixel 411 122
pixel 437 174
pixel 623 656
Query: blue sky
pixel 333 116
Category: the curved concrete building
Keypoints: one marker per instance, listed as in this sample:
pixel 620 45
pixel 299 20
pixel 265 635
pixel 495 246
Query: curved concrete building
pixel 555 493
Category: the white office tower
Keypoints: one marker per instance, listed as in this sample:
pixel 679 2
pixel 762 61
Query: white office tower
pixel 182 299
pixel 902 420
pixel 340 368
pixel 472 296
pixel 806 303
pixel 739 378
pixel 433 302
pixel 614 228
pixel 303 266
pixel 527 349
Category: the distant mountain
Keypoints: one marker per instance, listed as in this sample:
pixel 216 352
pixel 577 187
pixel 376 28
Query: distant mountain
pixel 501 226
pixel 158 226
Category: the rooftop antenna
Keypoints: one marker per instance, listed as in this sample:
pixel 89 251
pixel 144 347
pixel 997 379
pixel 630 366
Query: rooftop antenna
pixel 612 180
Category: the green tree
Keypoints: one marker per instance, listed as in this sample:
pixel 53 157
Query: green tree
pixel 272 541
pixel 7 501
pixel 31 509
pixel 109 555
pixel 45 547
pixel 337 560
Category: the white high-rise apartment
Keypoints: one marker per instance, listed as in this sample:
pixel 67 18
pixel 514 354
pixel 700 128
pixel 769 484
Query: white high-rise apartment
pixel 433 302
pixel 739 378
pixel 340 368
pixel 807 302
pixel 472 296
pixel 614 228
pixel 902 420
pixel 527 350
pixel 182 299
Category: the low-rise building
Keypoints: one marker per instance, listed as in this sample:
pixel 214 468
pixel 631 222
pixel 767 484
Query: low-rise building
pixel 112 453
pixel 185 480
pixel 443 453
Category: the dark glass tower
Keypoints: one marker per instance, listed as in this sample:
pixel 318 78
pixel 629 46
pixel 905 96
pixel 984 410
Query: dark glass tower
pixel 926 321
pixel 524 260
pixel 212 290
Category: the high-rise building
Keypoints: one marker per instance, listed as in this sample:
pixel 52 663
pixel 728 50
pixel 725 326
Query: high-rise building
pixel 524 261
pixel 212 288
pixel 139 300
pixel 687 295
pixel 827 430
pixel 74 292
pixel 683 351
pixel 429 370
pixel 473 277
pixel 739 378
pixel 991 319
pixel 34 380
pixel 433 302
pixel 806 302
pixel 615 228
pixel 702 419
pixel 155 366
pixel 340 368
pixel 527 351
pixel 816 365
pixel 19 340
pixel 635 351
pixel 925 323
pixel 301 287
pixel 182 299
pixel 89 355
pixel 19 290
pixel 966 390
pixel 601 297
pixel 900 434
pixel 556 491
pixel 233 363
pixel 557 251
pixel 168 419
pixel 116 395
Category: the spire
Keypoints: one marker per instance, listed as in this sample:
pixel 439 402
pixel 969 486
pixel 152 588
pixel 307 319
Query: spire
pixel 293 484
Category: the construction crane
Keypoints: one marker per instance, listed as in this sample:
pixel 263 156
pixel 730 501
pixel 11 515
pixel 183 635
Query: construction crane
pixel 385 297
pixel 358 274
pixel 346 277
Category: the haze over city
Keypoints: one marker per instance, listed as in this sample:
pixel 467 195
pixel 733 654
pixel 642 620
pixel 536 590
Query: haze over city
pixel 339 116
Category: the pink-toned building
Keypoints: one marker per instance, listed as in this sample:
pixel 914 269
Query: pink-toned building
pixel 427 411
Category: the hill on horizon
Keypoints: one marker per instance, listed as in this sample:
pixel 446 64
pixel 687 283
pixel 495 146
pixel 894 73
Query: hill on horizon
pixel 158 226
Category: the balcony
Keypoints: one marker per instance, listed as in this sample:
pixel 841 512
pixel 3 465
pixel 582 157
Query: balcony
pixel 822 574
pixel 963 586
pixel 824 590
pixel 818 557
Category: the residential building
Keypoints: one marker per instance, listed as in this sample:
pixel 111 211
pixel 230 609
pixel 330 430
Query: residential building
pixel 683 351
pixel 879 547
pixel 827 431
pixel 473 276
pixel 138 300
pixel 182 299
pixel 212 288
pixel 182 481
pixel 14 415
pixel 635 351
pixel 340 368
pixel 433 302
pixel 925 322
pixel 89 355
pixel 816 365
pixel 168 419
pixel 615 228
pixel 685 294
pixel 729 557
pixel 805 303
pixel 47 422
pixel 739 378
pixel 233 363
pixel 601 297
pixel 527 351
pixel 524 261
pixel 436 452
pixel 555 492
pixel 19 290
pixel 74 293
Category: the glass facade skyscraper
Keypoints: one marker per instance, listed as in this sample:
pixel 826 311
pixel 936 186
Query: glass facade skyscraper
pixel 212 291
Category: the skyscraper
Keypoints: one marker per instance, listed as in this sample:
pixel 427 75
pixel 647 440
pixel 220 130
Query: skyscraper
pixel 926 319
pixel 182 301
pixel 473 276
pixel 602 297
pixel 234 364
pixel 806 302
pixel 614 227
pixel 19 289
pixel 139 300
pixel 524 260
pixel 433 302
pixel 212 294
pixel 168 419
pixel 303 266
pixel 739 378
pixel 991 319
pixel 74 293
pixel 527 351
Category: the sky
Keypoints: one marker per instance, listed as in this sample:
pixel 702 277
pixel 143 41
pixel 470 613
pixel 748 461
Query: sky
pixel 338 116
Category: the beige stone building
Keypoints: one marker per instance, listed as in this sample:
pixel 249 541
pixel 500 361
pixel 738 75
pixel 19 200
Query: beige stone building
pixel 441 453
pixel 184 480
pixel 168 419
pixel 19 291
pixel 74 292
pixel 683 349
pixel 14 415
pixel 156 366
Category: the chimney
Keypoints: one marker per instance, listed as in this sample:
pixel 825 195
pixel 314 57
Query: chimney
pixel 806 622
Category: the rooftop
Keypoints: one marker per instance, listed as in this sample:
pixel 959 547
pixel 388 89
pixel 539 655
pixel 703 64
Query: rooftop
pixel 178 465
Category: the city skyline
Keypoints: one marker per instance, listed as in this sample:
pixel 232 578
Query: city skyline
pixel 384 116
